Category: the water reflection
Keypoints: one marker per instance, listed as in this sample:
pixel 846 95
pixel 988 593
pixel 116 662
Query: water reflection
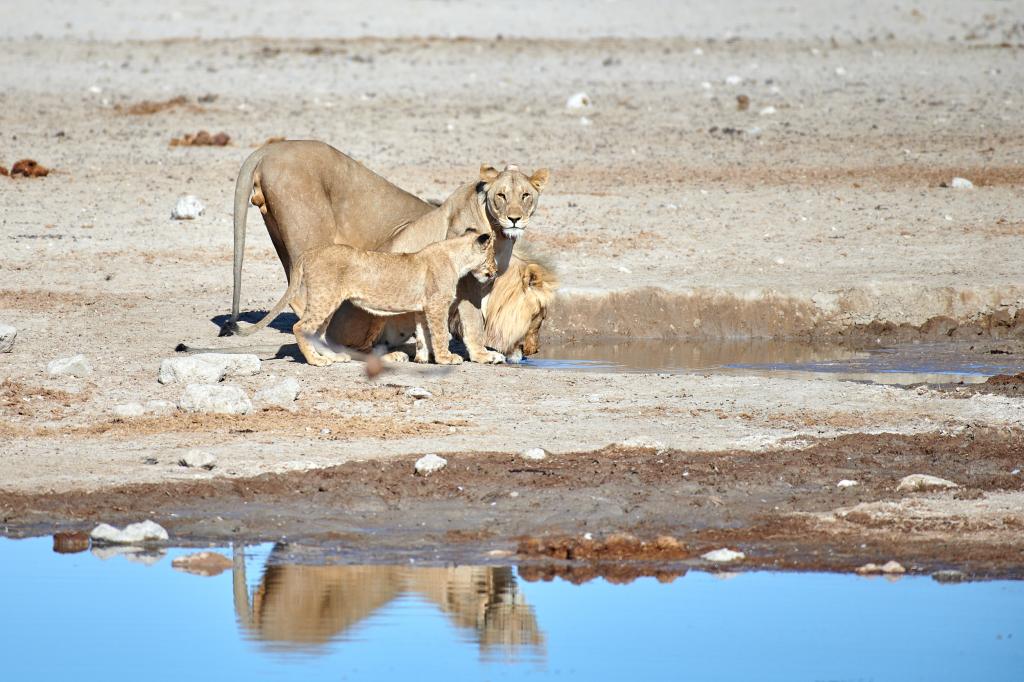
pixel 311 605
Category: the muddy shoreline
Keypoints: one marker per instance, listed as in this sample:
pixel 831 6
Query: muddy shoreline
pixel 781 507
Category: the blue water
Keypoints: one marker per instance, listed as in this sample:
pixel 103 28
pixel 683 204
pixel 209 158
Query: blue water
pixel 81 617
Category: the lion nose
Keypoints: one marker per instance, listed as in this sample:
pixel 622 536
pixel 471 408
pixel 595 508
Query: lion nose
pixel 514 220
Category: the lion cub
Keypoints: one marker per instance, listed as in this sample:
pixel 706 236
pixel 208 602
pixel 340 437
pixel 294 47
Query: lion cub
pixel 383 284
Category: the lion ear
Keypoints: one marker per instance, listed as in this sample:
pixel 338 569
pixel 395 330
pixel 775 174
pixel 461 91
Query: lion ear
pixel 488 173
pixel 539 179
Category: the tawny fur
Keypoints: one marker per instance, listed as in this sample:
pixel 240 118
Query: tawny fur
pixel 311 195
pixel 517 306
pixel 383 284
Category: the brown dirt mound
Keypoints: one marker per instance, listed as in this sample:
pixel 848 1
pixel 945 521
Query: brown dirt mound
pixel 147 107
pixel 202 139
pixel 29 168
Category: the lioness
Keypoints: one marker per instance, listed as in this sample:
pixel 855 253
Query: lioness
pixel 312 195
pixel 383 284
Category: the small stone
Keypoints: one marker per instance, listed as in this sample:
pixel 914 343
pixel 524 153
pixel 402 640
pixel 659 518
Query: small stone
pixel 846 483
pixel 584 121
pixel 922 482
pixel 949 576
pixel 961 183
pixel 161 407
pixel 579 100
pixel 207 368
pixel 733 80
pixel 198 459
pixel 534 454
pixel 892 567
pixel 281 394
pixel 419 393
pixel 7 335
pixel 868 569
pixel 135 533
pixel 188 207
pixel 215 399
pixel 667 543
pixel 129 410
pixel 429 464
pixel 499 553
pixel 513 494
pixel 76 365
pixel 202 563
pixel 767 111
pixel 742 102
pixel 723 555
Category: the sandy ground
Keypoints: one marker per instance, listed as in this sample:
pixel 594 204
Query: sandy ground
pixel 818 210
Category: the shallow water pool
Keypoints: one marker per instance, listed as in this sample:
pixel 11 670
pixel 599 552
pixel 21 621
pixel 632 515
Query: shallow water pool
pixel 933 363
pixel 122 614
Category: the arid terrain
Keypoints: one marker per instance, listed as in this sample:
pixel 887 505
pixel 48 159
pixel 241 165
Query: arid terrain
pixel 766 171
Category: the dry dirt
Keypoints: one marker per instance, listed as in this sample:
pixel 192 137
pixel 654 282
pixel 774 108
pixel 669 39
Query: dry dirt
pixel 670 214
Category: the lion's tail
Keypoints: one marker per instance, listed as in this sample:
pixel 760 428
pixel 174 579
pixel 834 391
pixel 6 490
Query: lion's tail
pixel 243 192
pixel 294 282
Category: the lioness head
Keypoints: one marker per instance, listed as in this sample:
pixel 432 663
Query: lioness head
pixel 511 196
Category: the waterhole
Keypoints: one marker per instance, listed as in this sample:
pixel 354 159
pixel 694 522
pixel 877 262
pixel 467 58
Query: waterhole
pixel 933 363
pixel 273 613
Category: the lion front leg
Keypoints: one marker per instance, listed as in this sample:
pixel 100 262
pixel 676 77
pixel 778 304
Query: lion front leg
pixel 471 322
pixel 422 340
pixel 436 315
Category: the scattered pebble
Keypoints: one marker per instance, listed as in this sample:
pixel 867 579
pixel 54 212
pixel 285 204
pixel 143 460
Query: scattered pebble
pixel 202 563
pixel 7 336
pixel 733 80
pixel 921 482
pixel 419 393
pixel 579 100
pixel 642 442
pixel 513 494
pixel 840 71
pixel 188 208
pixel 961 183
pixel 846 483
pixel 198 459
pixel 129 410
pixel 29 168
pixel 767 111
pixel 723 555
pixel 207 368
pixel 499 553
pixel 281 394
pixel 534 454
pixel 429 464
pixel 742 102
pixel 889 568
pixel 201 139
pixel 584 121
pixel 146 531
pixel 215 399
pixel 76 365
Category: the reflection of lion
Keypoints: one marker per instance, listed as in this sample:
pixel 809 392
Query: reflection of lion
pixel 313 605
pixel 311 195
pixel 383 284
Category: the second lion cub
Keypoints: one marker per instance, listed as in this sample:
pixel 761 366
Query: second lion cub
pixel 383 284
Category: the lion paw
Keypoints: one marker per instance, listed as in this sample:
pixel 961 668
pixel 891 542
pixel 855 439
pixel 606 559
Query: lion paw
pixel 489 357
pixel 450 359
pixel 395 356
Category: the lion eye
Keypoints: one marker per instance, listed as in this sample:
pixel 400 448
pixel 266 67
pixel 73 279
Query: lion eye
pixel 527 196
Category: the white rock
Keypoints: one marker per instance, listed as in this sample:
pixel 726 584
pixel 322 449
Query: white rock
pixel 846 483
pixel 767 111
pixel 584 121
pixel 919 482
pixel 840 71
pixel 419 393
pixel 893 567
pixel 161 407
pixel 723 555
pixel 534 454
pixel 76 365
pixel 129 410
pixel 579 100
pixel 7 334
pixel 428 464
pixel 188 208
pixel 733 80
pixel 281 394
pixel 146 531
pixel 198 459
pixel 216 399
pixel 961 183
pixel 207 368
pixel 642 442
pixel 889 567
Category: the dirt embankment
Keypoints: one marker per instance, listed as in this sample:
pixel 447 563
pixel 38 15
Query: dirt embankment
pixel 782 508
